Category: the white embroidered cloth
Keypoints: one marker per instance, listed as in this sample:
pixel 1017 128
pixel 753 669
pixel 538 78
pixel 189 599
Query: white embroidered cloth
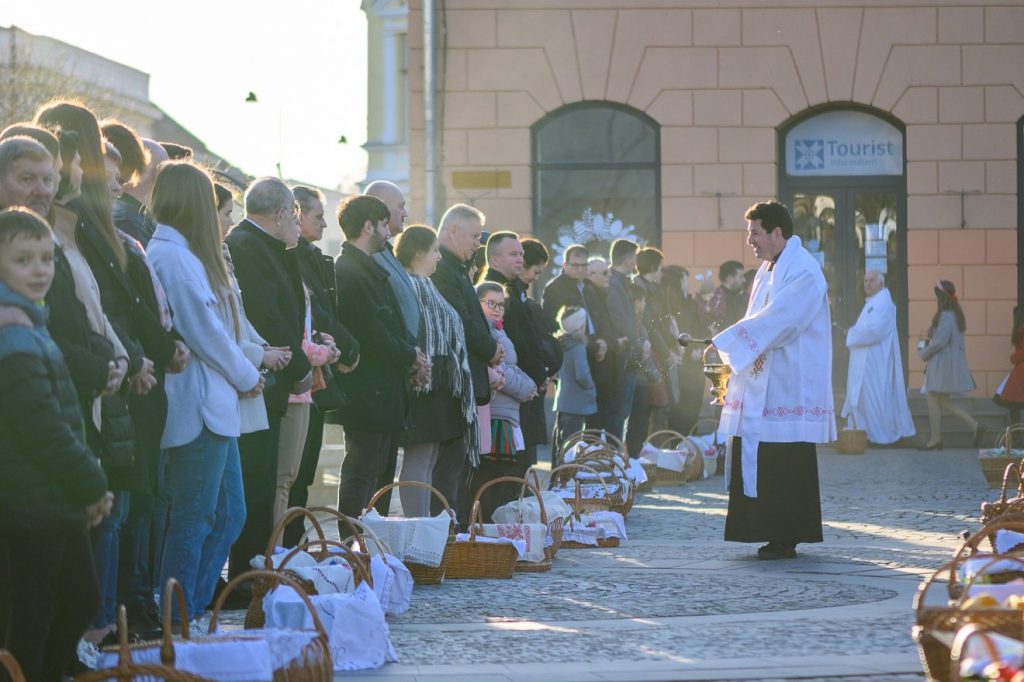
pixel 520 545
pixel 529 511
pixel 418 540
pixel 248 655
pixel 331 575
pixel 357 632
pixel 673 460
pixel 612 522
pixel 392 583
pixel 588 491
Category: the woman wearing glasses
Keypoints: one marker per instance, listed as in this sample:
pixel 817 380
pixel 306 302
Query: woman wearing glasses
pixel 516 388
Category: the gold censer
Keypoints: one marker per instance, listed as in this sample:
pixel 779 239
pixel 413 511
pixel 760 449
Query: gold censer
pixel 715 370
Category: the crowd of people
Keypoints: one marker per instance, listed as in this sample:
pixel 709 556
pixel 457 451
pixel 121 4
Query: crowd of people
pixel 169 370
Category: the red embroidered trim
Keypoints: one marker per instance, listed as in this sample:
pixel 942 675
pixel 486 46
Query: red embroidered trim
pixel 742 333
pixel 733 404
pixel 798 411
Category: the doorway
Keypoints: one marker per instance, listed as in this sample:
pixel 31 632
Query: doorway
pixel 842 175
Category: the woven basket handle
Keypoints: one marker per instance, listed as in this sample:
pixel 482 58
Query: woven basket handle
pixel 918 602
pixel 474 517
pixel 963 636
pixel 1006 437
pixel 8 661
pixel 272 576
pixel 172 591
pixel 287 517
pixel 1015 523
pixel 382 547
pixel 535 489
pixel 412 484
pixel 612 468
pixel 665 436
pixel 341 518
pixel 1015 467
pixel 360 568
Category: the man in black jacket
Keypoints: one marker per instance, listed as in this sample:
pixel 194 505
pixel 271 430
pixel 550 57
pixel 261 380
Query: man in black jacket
pixel 623 319
pixel 268 275
pixel 459 234
pixel 377 391
pixel 318 275
pixel 504 265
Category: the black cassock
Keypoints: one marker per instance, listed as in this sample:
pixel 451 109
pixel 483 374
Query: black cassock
pixel 787 508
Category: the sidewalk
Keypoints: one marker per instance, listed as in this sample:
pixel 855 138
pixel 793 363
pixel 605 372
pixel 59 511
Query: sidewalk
pixel 676 602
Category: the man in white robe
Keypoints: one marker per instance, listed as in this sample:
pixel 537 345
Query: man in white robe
pixel 779 402
pixel 876 395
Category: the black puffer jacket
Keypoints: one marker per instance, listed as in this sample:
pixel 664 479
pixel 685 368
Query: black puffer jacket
pixel 47 474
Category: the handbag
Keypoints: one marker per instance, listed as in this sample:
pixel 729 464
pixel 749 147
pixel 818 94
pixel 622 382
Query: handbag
pixel 852 441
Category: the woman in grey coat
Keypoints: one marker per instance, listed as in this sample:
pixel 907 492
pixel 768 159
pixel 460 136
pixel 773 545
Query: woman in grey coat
pixel 946 371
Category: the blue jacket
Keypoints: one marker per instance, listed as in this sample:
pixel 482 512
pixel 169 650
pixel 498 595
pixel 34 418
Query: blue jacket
pixel 47 474
pixel 206 393
pixel 576 393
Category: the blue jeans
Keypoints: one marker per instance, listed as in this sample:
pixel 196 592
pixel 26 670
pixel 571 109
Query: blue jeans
pixel 622 405
pixel 203 484
pixel 106 552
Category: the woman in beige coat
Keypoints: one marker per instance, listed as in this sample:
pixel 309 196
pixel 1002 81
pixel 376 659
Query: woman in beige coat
pixel 946 371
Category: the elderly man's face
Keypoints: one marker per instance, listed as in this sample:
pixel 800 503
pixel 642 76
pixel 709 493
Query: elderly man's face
pixel 598 274
pixel 872 284
pixel 28 183
pixel 507 258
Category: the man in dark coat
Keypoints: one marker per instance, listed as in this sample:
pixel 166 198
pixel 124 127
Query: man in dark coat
pixel 572 287
pixel 504 265
pixel 459 234
pixel 623 319
pixel 318 275
pixel 268 275
pixel 377 390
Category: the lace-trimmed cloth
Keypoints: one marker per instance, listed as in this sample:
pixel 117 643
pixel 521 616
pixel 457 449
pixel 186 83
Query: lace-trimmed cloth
pixel 418 540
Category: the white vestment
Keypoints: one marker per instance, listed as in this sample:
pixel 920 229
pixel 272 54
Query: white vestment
pixel 781 357
pixel 876 395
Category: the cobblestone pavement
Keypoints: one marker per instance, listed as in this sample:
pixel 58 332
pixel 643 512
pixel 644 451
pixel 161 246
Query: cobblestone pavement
pixel 677 602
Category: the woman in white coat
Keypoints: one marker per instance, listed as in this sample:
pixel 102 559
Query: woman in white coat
pixel 201 474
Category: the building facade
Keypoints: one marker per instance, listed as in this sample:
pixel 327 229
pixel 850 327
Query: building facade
pixel 892 132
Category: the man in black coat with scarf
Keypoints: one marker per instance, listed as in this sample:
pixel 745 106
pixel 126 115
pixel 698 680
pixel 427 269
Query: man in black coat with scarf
pixel 377 390
pixel 268 275
pixel 459 234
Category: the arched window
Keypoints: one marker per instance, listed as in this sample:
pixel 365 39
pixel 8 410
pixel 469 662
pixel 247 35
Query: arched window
pixel 596 177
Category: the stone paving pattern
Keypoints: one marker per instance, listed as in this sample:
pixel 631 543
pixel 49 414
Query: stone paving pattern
pixel 677 602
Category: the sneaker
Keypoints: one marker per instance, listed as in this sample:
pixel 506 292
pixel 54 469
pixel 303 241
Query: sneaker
pixel 200 626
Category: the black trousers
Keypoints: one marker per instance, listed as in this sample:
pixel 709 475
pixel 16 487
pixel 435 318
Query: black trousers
pixel 500 493
pixel 298 496
pixel 368 455
pixel 54 594
pixel 787 508
pixel 639 421
pixel 259 479
pixel 450 476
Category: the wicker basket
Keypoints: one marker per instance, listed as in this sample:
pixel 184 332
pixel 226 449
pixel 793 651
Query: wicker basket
pixel 579 504
pixel 605 463
pixel 959 648
pixel 602 439
pixel 935 624
pixel 549 552
pixel 254 616
pixel 990 511
pixel 851 440
pixel 667 439
pixel 993 467
pixel 472 559
pixel 314 663
pixel 421 573
pixel 10 664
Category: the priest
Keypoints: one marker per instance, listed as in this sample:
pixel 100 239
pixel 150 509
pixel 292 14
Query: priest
pixel 876 395
pixel 779 401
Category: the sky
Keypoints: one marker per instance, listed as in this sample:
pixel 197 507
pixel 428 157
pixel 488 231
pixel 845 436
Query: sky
pixel 304 59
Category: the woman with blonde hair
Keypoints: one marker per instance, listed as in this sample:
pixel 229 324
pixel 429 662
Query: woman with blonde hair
pixel 201 472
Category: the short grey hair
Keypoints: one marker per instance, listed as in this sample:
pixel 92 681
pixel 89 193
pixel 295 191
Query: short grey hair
pixel 266 196
pixel 458 213
pixel 597 259
pixel 305 196
pixel 21 147
pixel 879 274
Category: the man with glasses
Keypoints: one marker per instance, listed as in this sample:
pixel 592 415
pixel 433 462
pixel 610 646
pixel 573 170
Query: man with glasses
pixel 573 287
pixel 268 275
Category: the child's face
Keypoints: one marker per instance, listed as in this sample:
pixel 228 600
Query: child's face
pixel 26 266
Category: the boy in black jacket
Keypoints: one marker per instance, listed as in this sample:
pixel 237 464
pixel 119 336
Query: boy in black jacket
pixel 51 486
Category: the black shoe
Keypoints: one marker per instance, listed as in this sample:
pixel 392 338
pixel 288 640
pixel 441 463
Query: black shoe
pixel 929 448
pixel 979 435
pixel 113 640
pixel 770 547
pixel 779 551
pixel 140 620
